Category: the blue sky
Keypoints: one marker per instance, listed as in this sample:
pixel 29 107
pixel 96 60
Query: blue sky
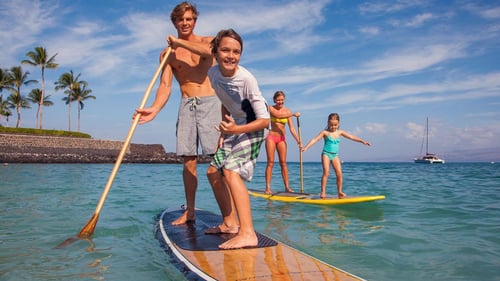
pixel 384 66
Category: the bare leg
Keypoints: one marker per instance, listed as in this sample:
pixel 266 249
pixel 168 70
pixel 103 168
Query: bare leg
pixel 190 186
pixel 284 169
pixel 246 237
pixel 326 172
pixel 338 172
pixel 270 148
pixel 224 200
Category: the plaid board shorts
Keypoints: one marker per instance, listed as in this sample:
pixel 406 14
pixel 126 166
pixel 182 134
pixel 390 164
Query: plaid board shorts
pixel 239 153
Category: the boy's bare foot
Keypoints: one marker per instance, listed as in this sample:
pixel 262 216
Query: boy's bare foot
pixel 268 191
pixel 242 240
pixel 322 195
pixel 222 229
pixel 186 217
pixel 342 195
pixel 288 189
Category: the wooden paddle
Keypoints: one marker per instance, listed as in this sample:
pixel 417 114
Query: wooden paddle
pixel 300 158
pixel 89 228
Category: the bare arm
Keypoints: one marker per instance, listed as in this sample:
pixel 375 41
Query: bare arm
pixel 354 138
pixel 201 48
pixel 314 140
pixel 292 130
pixel 228 126
pixel 162 95
pixel 285 113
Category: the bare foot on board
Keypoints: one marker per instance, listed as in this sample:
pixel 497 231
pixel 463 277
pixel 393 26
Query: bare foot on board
pixel 242 240
pixel 322 195
pixel 268 192
pixel 222 229
pixel 184 218
pixel 288 189
pixel 342 195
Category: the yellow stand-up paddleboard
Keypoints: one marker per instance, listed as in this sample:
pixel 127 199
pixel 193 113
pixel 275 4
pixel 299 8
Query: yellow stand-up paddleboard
pixel 200 258
pixel 314 198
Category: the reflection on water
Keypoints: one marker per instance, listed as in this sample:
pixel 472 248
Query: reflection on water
pixel 333 224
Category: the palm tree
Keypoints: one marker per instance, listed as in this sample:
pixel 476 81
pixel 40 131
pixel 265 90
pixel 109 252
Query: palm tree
pixel 5 79
pixel 38 57
pixel 68 80
pixel 4 109
pixel 16 100
pixel 36 96
pixel 5 83
pixel 80 93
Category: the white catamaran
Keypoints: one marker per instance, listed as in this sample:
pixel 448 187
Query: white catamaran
pixel 428 158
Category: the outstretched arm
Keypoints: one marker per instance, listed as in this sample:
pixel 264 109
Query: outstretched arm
pixel 314 140
pixel 354 138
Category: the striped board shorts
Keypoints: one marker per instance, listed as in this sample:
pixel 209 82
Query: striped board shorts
pixel 195 125
pixel 239 153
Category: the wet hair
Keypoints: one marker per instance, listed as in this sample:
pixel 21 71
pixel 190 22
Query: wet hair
pixel 277 94
pixel 225 33
pixel 181 9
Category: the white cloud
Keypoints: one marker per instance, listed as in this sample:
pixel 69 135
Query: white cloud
pixel 419 20
pixel 381 7
pixel 21 22
pixel 370 30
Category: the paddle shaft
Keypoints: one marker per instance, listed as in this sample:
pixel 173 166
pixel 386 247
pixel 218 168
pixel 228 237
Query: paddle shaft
pixel 88 229
pixel 300 158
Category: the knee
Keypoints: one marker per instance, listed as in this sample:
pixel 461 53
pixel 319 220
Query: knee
pixel 190 162
pixel 212 172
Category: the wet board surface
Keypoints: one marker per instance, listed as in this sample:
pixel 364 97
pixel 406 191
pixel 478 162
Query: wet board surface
pixel 308 198
pixel 200 258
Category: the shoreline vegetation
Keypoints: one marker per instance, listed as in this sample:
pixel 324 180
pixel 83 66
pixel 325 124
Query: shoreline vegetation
pixel 43 132
pixel 27 145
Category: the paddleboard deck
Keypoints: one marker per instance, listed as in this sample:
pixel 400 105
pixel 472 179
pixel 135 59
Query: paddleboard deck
pixel 313 198
pixel 201 259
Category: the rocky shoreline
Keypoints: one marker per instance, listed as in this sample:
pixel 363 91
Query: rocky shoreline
pixel 17 148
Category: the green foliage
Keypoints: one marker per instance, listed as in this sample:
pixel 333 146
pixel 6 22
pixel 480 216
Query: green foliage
pixel 55 133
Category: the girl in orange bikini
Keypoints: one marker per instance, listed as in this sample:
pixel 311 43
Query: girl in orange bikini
pixel 276 140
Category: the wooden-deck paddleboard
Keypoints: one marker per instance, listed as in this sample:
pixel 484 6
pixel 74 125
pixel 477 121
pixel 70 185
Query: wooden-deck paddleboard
pixel 313 198
pixel 201 259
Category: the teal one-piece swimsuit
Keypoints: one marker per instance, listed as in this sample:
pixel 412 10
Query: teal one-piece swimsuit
pixel 331 147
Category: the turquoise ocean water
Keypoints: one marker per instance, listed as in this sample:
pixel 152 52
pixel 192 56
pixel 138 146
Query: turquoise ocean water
pixel 439 222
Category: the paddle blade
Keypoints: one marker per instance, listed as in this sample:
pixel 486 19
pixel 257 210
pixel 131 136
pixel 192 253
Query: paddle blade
pixel 89 228
pixel 67 242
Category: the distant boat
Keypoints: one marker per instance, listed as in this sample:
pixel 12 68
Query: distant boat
pixel 428 158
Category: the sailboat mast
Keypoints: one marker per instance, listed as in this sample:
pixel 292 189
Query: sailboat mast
pixel 427 136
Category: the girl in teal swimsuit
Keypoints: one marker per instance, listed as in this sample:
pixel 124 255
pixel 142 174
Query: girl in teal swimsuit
pixel 331 136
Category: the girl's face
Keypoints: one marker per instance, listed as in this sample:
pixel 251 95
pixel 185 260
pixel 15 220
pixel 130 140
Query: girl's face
pixel 228 56
pixel 280 101
pixel 333 125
